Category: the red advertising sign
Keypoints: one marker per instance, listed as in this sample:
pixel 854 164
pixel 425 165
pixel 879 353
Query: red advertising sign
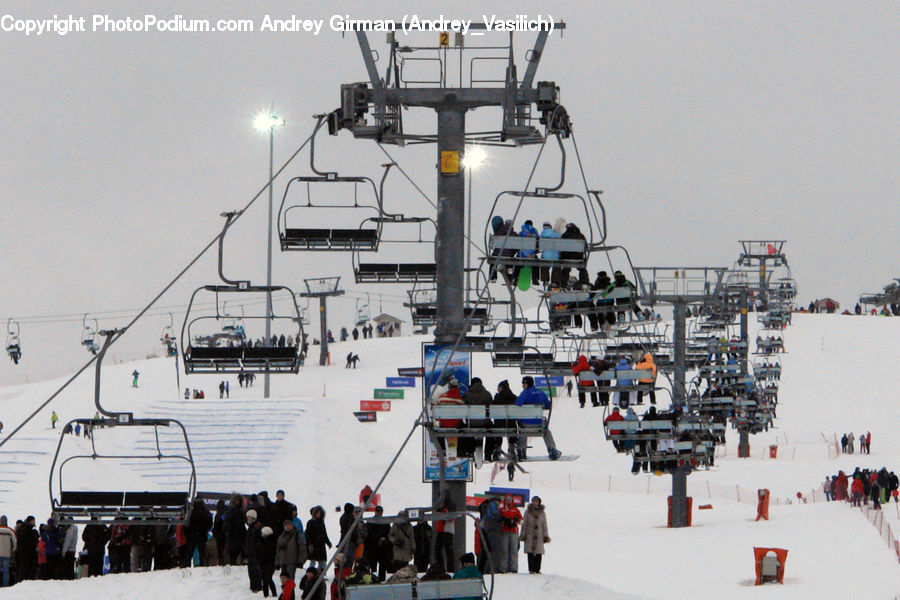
pixel 378 405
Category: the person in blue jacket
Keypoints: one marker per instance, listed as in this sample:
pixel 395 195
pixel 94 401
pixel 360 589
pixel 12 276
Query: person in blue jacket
pixel 548 232
pixel 533 395
pixel 624 395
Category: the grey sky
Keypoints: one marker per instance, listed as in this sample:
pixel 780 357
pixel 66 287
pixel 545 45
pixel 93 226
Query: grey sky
pixel 703 122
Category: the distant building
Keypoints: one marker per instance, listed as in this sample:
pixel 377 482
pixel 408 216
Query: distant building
pixel 826 305
pixel 385 323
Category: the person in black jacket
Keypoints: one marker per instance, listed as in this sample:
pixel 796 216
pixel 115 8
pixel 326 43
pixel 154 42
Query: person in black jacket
pixel 279 512
pixel 473 447
pixel 26 550
pixel 95 536
pixel 267 561
pixel 218 531
pixel 235 531
pixel 317 538
pixel 254 551
pixel 163 542
pixel 422 533
pixel 504 396
pixel 573 233
pixel 306 585
pixel 598 366
pixel 355 538
pixel 377 549
pixel 197 532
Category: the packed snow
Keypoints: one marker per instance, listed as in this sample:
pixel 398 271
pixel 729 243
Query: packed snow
pixel 608 527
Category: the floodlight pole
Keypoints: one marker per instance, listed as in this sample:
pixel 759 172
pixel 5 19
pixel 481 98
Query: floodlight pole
pixel 269 257
pixel 743 432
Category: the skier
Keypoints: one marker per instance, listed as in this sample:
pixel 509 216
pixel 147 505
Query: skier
pixel 53 419
pixel 583 386
pixel 134 381
pixel 227 389
pixel 544 272
pixel 623 395
pixel 349 360
pixel 647 365
pixel 355 334
pixel 355 360
pixel 221 390
pixel 533 395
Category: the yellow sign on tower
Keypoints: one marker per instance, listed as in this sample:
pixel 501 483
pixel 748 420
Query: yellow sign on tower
pixel 449 162
pixel 444 39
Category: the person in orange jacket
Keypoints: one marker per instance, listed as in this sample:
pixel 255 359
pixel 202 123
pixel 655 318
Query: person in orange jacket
pixel 584 386
pixel 647 365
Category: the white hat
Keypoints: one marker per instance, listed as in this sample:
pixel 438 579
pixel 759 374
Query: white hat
pixel 251 516
pixel 266 531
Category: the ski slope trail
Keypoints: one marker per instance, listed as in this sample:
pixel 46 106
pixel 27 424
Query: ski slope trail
pixel 608 527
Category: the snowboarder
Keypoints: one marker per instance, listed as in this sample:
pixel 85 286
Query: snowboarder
pixel 355 360
pixel 134 381
pixel 569 388
pixel 349 360
pixel 53 419
pixel 533 395
pixel 355 334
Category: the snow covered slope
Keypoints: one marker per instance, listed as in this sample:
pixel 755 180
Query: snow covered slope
pixel 608 528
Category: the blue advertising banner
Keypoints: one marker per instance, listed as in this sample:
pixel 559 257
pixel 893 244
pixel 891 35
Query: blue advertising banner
pixel 552 381
pixel 397 382
pixel 440 363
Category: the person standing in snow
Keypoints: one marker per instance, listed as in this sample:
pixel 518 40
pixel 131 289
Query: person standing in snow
pixel 95 536
pixel 511 517
pixel 534 534
pixel 355 334
pixel 7 550
pixel 134 380
pixel 317 538
pixel 227 389
pixel 221 390
pixel 254 551
pixel 53 419
pixel 290 550
pixel 850 439
pixel 70 541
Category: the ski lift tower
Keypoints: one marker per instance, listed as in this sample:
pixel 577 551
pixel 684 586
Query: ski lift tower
pixel 322 288
pixel 679 286
pixel 763 254
pixel 374 110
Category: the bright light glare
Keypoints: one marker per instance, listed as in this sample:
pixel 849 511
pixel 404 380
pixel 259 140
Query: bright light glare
pixel 263 122
pixel 474 158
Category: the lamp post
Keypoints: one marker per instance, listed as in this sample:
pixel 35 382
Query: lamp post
pixel 265 122
pixel 472 160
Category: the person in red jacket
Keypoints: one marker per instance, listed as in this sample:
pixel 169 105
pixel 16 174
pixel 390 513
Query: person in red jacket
pixel 856 489
pixel 615 415
pixel 287 587
pixel 584 386
pixel 510 517
pixel 452 396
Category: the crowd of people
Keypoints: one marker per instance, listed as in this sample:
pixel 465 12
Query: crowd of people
pixel 862 486
pixel 490 447
pixel 269 537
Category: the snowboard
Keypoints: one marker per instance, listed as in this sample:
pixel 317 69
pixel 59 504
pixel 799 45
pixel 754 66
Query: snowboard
pixel 525 278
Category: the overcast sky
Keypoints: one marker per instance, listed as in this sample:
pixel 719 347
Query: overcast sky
pixel 702 122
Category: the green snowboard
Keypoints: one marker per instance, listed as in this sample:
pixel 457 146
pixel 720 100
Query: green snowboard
pixel 525 278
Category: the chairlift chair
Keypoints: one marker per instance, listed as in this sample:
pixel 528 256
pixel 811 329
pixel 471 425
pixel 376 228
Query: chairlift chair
pixel 89 334
pixel 206 350
pixel 421 245
pixel 168 338
pixel 13 345
pixel 71 505
pixel 362 311
pixel 297 226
